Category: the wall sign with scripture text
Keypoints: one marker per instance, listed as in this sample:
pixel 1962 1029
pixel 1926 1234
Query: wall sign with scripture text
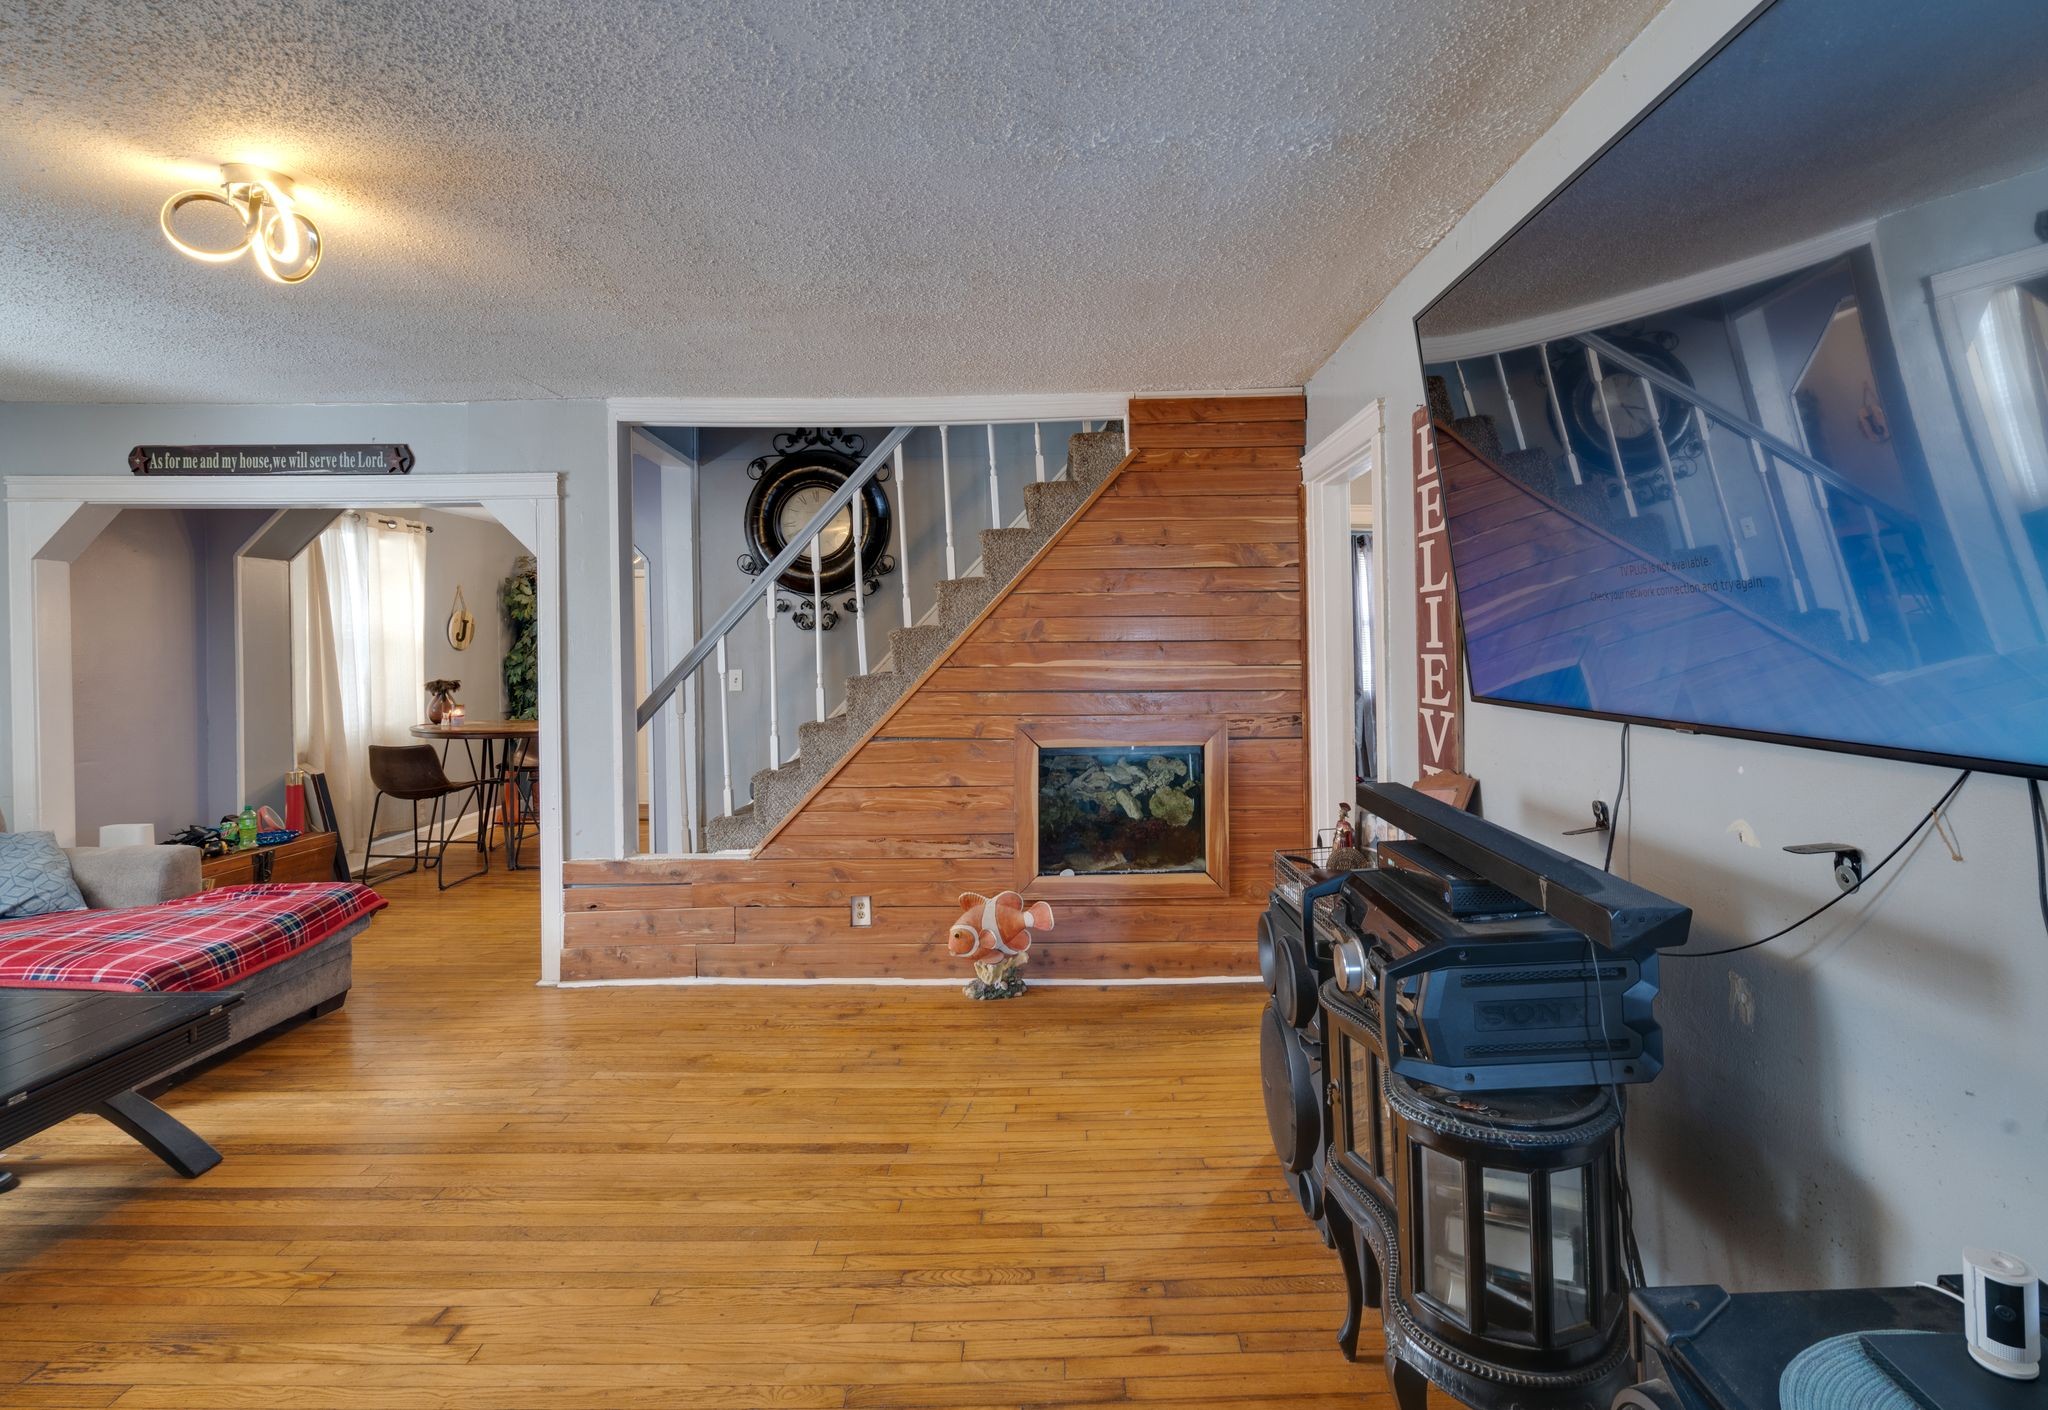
pixel 1439 654
pixel 271 460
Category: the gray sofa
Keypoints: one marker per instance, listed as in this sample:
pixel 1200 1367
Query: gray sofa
pixel 311 983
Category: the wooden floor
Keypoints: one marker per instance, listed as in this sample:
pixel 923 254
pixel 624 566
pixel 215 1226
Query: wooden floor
pixel 463 1190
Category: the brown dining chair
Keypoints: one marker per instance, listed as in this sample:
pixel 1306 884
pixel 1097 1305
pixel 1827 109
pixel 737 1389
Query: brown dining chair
pixel 412 773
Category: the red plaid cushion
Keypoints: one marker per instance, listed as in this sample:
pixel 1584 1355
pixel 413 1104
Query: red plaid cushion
pixel 195 943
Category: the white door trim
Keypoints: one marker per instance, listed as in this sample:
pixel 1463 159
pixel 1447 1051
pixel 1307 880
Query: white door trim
pixel 1355 449
pixel 52 518
pixel 867 411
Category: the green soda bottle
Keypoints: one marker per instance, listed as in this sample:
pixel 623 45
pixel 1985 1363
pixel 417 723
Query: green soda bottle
pixel 245 827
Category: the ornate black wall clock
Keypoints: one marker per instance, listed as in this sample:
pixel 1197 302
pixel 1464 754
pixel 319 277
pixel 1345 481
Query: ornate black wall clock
pixel 791 486
pixel 1635 430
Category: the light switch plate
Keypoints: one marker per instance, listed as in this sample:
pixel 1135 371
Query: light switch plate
pixel 732 680
pixel 863 911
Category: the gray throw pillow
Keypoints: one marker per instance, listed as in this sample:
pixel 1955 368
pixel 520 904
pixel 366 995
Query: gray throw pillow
pixel 35 876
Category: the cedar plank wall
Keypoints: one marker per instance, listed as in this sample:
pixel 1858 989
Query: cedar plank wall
pixel 1176 590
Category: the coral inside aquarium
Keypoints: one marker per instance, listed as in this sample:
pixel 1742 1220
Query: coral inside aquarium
pixel 1131 810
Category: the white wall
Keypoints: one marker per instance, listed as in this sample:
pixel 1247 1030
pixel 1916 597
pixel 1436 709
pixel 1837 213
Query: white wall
pixel 569 438
pixel 664 529
pixel 1848 1106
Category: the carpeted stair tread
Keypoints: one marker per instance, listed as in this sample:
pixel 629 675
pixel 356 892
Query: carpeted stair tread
pixel 1438 391
pixel 1478 433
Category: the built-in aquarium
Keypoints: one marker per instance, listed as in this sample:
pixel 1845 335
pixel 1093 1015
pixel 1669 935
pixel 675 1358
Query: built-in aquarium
pixel 1122 811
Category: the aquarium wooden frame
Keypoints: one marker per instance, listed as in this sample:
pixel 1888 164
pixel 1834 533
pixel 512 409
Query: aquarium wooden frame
pixel 1210 734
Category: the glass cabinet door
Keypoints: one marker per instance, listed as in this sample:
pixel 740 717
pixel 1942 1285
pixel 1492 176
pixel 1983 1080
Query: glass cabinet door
pixel 1571 1254
pixel 1508 1297
pixel 1443 1231
pixel 1361 1095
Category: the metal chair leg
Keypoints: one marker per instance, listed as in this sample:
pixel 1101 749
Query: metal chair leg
pixel 418 853
pixel 445 823
pixel 370 834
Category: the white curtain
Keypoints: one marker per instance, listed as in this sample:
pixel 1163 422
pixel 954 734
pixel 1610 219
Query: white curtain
pixel 2008 359
pixel 360 602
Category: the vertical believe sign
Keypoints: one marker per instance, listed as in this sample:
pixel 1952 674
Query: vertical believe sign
pixel 1439 695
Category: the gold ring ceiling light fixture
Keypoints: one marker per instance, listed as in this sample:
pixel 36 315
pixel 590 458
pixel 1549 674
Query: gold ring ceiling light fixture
pixel 282 241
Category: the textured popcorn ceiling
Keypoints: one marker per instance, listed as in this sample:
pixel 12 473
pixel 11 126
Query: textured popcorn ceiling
pixel 803 198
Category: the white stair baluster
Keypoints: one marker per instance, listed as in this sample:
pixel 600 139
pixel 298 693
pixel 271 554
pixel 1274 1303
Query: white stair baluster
pixel 1670 470
pixel 724 736
pixel 903 541
pixel 1876 531
pixel 1765 464
pixel 1628 494
pixel 1038 451
pixel 946 489
pixel 817 628
pixel 774 684
pixel 1514 414
pixel 1571 458
pixel 995 507
pixel 860 585
pixel 1706 432
pixel 682 702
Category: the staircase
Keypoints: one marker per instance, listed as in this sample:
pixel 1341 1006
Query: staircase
pixel 1162 588
pixel 1048 505
pixel 1702 486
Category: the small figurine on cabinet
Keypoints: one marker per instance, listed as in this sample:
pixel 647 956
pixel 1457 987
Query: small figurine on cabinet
pixel 994 932
pixel 1344 853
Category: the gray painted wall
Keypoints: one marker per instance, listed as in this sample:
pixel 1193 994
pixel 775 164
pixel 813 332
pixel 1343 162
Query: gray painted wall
pixel 138 664
pixel 568 438
pixel 478 554
pixel 266 667
pixel 1852 1104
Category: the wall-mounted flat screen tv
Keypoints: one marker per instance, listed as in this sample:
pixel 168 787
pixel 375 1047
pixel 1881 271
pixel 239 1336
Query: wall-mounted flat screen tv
pixel 1748 425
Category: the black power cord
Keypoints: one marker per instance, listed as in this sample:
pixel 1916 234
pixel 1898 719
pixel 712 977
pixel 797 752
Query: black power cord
pixel 1926 820
pixel 1624 1196
pixel 2040 845
pixel 1614 813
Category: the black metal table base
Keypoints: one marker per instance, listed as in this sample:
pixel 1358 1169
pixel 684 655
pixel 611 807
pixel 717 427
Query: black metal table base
pixel 155 1130
pixel 160 1133
pixel 68 1052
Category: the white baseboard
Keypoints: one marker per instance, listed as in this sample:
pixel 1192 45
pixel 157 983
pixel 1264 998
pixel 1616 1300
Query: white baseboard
pixel 465 827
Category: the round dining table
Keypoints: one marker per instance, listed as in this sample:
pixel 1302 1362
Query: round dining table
pixel 493 743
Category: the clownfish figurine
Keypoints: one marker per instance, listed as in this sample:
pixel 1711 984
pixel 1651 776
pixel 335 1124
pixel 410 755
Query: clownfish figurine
pixel 993 928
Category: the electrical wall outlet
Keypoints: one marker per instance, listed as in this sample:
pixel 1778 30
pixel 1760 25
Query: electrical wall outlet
pixel 863 911
pixel 1741 1000
pixel 732 680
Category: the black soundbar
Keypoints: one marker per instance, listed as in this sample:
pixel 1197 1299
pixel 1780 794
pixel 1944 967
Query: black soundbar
pixel 1613 912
